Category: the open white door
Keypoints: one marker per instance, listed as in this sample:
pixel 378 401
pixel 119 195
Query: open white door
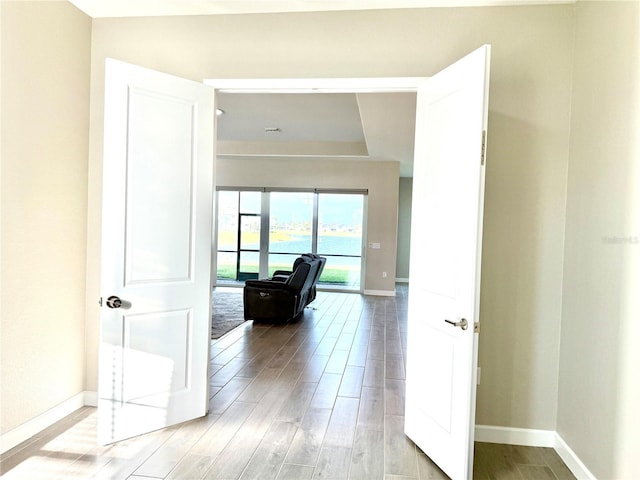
pixel 446 238
pixel 156 249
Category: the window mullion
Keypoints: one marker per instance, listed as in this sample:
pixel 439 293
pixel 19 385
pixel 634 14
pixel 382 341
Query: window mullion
pixel 314 225
pixel 264 235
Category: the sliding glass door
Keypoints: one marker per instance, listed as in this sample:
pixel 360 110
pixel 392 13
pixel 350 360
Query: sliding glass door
pixel 239 233
pixel 340 218
pixel 260 232
pixel 290 228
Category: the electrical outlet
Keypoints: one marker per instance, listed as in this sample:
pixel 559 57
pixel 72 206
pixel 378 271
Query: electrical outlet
pixel 384 274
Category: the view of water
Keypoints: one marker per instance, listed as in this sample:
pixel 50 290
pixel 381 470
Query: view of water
pixel 339 224
pixel 338 270
pixel 327 245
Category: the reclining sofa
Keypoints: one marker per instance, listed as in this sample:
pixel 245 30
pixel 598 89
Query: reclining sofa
pixel 283 297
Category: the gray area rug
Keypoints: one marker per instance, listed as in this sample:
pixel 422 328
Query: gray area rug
pixel 228 311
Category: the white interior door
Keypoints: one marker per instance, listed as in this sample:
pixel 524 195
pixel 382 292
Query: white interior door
pixel 448 198
pixel 156 249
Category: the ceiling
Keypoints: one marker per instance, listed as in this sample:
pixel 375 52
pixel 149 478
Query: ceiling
pixel 310 126
pixel 146 8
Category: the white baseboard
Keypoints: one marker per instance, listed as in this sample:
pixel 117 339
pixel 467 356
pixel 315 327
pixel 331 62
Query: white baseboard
pixel 572 461
pixel 381 293
pixel 402 280
pixel 36 425
pixel 90 398
pixel 535 438
pixel 515 436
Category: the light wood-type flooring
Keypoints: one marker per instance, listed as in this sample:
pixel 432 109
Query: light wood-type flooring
pixel 321 398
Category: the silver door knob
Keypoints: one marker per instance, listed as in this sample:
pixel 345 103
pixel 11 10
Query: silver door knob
pixel 114 302
pixel 462 323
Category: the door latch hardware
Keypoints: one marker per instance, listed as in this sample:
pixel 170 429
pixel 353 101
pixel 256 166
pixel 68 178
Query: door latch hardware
pixel 463 324
pixel 114 302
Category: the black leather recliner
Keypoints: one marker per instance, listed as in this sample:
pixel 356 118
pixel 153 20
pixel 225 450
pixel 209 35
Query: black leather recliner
pixel 322 261
pixel 283 275
pixel 283 297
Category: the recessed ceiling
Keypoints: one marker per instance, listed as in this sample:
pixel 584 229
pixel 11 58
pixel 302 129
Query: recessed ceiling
pixel 348 126
pixel 310 117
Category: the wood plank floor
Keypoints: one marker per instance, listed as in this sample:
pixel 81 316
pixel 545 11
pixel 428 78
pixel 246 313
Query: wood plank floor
pixel 322 398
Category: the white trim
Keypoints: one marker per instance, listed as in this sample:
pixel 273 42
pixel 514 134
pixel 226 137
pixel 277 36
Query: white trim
pixel 515 436
pixel 572 460
pixel 535 438
pixel 381 293
pixel 316 85
pixel 37 424
pixel 90 398
pixel 402 280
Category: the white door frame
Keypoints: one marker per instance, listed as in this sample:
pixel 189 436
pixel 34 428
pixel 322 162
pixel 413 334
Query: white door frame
pixel 317 85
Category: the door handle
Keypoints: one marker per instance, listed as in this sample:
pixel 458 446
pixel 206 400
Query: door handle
pixel 114 302
pixel 463 324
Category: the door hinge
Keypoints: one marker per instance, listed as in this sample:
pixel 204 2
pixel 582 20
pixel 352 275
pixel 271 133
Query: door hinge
pixel 482 150
pixel 476 327
pixel 100 301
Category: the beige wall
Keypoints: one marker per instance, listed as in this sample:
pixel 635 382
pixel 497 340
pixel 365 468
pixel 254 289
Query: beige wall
pixel 527 149
pixel 404 227
pixel 380 178
pixel 45 122
pixel 45 47
pixel 599 390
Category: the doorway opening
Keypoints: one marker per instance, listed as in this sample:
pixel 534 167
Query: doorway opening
pixel 238 254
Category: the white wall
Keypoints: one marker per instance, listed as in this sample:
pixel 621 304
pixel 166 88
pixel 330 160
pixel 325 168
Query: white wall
pixel 599 392
pixel 527 149
pixel 380 178
pixel 45 123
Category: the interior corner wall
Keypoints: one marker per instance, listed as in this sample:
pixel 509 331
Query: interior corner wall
pixel 599 391
pixel 529 114
pixel 404 228
pixel 45 124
